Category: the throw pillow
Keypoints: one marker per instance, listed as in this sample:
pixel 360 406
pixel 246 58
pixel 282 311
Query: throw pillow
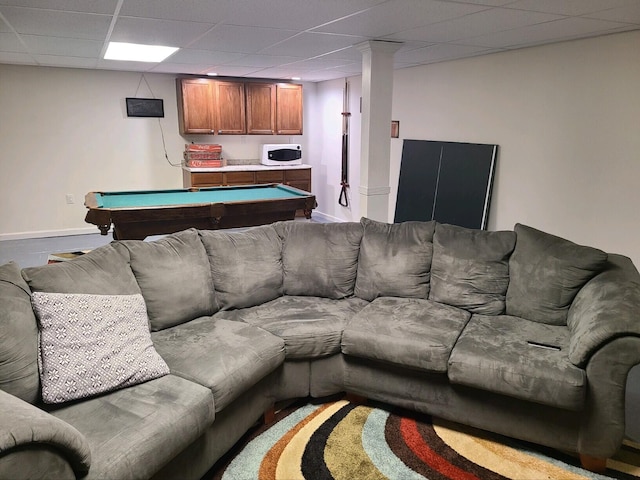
pixel 246 266
pixel 174 278
pixel 91 344
pixel 103 271
pixel 470 268
pixel 395 260
pixel 545 274
pixel 18 337
pixel 319 259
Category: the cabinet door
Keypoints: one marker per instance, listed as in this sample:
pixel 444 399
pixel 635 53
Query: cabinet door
pixel 201 179
pixel 195 106
pixel 261 108
pixel 298 178
pixel 270 176
pixel 230 108
pixel 239 178
pixel 288 109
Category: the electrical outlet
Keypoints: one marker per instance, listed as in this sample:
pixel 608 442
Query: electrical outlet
pixel 70 199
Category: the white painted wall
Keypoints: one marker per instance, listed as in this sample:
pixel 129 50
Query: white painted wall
pixel 65 131
pixel 566 118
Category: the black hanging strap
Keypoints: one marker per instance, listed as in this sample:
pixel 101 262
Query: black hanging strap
pixel 344 198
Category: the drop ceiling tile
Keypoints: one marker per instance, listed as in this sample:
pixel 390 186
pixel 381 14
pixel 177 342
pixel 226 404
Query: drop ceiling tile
pixel 326 75
pixel 206 57
pixel 56 23
pixel 436 53
pixel 89 6
pixel 11 43
pixel 66 61
pixel 262 61
pixel 231 38
pixel 191 69
pixel 628 14
pixel 284 72
pixel 157 32
pixel 204 11
pixel 73 47
pixel 311 44
pixel 232 71
pixel 288 14
pixel 319 63
pixel 569 7
pixel 399 15
pixel 558 30
pixel 17 58
pixel 487 21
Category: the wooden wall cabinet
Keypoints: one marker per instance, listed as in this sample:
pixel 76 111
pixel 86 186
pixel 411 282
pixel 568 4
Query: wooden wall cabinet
pixel 289 109
pixel 196 103
pixel 230 108
pixel 207 106
pixel 261 108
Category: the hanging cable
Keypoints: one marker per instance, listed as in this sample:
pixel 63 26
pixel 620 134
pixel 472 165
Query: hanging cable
pixel 343 200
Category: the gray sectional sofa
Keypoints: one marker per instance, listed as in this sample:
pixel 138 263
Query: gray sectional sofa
pixel 151 359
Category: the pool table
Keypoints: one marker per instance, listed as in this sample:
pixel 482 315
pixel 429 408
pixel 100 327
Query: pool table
pixel 137 214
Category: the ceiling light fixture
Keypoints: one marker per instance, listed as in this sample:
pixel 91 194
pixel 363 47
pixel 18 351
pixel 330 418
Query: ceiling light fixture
pixel 212 74
pixel 135 52
pixel 295 78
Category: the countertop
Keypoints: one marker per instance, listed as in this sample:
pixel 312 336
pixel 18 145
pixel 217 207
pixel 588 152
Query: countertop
pixel 246 168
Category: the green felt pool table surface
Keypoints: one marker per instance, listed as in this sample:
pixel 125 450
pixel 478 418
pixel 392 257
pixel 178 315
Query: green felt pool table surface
pixel 138 214
pixel 156 198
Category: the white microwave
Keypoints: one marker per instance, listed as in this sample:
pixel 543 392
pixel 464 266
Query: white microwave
pixel 281 154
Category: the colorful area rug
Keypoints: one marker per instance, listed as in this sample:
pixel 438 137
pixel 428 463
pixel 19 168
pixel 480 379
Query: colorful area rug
pixel 343 441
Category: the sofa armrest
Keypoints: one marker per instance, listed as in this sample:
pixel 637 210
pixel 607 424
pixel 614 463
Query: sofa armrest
pixel 603 426
pixel 50 445
pixel 606 308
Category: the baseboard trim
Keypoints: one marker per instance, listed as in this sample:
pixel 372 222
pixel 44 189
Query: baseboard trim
pixel 48 233
pixel 329 218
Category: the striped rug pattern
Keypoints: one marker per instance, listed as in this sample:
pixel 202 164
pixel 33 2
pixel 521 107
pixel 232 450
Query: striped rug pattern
pixel 344 441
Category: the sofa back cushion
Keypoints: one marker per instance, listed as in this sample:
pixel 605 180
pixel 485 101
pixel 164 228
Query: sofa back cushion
pixel 395 260
pixel 319 259
pixel 470 268
pixel 545 274
pixel 246 266
pixel 103 271
pixel 174 278
pixel 18 337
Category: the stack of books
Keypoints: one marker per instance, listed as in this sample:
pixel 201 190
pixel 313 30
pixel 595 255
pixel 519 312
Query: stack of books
pixel 203 155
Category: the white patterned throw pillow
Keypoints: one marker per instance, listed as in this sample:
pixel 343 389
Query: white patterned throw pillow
pixel 91 344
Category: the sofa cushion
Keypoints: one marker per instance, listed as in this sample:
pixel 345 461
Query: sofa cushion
pixel 395 259
pixel 545 274
pixel 103 271
pixel 225 356
pixel 18 337
pixel 470 268
pixel 516 357
pixel 91 344
pixel 174 278
pixel 408 332
pixel 318 259
pixel 134 432
pixel 311 327
pixel 246 266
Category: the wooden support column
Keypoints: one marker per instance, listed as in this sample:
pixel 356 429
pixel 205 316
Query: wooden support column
pixel 377 90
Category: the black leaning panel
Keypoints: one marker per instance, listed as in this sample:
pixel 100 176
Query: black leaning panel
pixel 418 178
pixel 446 181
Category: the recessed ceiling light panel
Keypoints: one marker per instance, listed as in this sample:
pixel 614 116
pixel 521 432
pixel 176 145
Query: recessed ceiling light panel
pixel 135 52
